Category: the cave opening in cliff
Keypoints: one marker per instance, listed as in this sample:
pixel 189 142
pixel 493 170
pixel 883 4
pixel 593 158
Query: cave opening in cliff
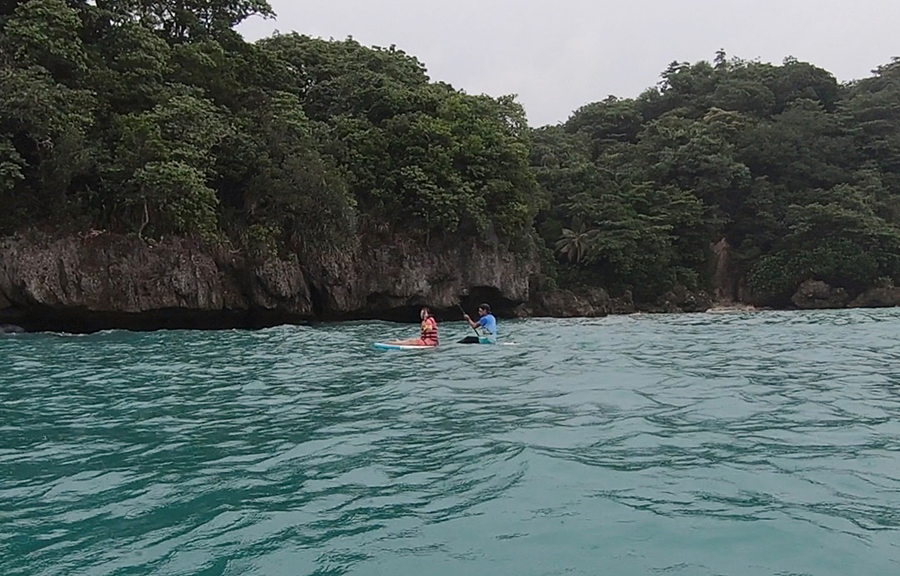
pixel 500 305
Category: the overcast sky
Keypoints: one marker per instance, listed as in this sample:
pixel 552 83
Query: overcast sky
pixel 557 56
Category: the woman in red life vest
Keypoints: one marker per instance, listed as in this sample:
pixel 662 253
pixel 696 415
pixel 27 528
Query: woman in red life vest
pixel 429 334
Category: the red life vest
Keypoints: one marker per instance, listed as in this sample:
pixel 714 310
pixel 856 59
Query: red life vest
pixel 429 331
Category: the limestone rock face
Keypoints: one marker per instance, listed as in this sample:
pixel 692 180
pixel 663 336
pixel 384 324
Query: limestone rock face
pixel 817 295
pixel 884 297
pixel 546 299
pixel 567 304
pixel 680 299
pixel 623 305
pixel 113 281
pixel 112 274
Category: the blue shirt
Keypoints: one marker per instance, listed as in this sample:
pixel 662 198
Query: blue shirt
pixel 489 323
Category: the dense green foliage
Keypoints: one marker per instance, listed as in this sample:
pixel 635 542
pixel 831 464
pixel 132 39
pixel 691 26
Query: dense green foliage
pixel 799 174
pixel 156 118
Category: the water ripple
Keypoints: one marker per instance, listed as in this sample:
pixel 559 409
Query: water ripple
pixel 709 444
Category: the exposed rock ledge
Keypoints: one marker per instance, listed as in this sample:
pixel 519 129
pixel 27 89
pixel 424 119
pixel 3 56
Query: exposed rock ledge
pixel 884 297
pixel 111 281
pixel 568 304
pixel 84 284
pixel 817 295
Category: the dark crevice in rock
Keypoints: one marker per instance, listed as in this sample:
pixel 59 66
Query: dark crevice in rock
pixel 10 329
pixel 318 300
pixel 725 281
pixel 500 304
pixel 390 308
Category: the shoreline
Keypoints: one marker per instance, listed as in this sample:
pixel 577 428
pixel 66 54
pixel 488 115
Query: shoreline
pixel 79 285
pixel 8 328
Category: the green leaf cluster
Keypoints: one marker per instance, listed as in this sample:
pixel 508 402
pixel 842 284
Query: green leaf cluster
pixel 796 171
pixel 155 117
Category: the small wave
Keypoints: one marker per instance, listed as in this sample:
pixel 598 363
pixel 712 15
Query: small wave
pixel 740 443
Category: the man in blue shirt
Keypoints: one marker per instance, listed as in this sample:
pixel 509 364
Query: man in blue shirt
pixel 486 322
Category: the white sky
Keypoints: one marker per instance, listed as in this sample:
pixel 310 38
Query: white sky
pixel 558 56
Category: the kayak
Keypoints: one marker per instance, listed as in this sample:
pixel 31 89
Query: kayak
pixel 476 340
pixel 389 346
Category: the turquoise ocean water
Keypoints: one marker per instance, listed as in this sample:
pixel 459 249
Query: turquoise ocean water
pixel 712 444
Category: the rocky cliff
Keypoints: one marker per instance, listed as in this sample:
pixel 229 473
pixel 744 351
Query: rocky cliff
pixel 88 283
pixel 99 281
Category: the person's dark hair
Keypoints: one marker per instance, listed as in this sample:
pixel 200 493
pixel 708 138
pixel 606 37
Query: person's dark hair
pixel 427 309
pixel 486 307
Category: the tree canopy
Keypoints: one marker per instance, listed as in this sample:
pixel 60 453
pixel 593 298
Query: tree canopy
pixel 154 117
pixel 796 171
